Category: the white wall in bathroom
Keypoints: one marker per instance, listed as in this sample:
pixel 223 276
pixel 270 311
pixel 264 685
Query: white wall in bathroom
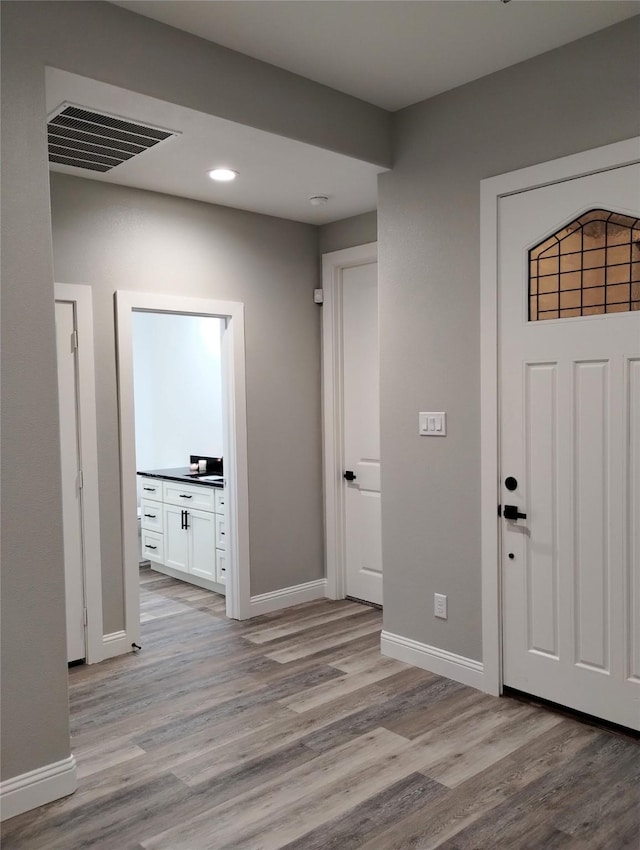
pixel 177 387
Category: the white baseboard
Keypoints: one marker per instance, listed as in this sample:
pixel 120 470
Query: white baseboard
pixel 265 603
pixel 114 644
pixel 37 787
pixel 435 660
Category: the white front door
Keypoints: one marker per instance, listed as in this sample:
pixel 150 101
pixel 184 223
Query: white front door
pixel 361 429
pixel 71 489
pixel 570 440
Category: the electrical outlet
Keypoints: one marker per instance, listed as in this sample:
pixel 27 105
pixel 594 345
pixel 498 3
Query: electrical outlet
pixel 440 606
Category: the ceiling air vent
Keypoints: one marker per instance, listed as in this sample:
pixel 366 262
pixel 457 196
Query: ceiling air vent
pixel 95 141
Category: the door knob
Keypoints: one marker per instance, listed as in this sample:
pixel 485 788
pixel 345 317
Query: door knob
pixel 349 475
pixel 512 512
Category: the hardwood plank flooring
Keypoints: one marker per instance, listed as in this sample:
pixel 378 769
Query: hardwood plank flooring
pixel 291 731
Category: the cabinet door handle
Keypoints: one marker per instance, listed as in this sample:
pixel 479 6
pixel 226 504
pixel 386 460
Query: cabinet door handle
pixel 182 496
pixel 149 546
pixel 151 516
pixel 150 489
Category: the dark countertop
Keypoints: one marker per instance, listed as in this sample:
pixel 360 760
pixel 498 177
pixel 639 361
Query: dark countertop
pixel 182 473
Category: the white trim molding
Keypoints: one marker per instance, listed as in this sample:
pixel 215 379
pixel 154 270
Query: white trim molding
pixel 491 191
pixel 275 600
pixel 439 661
pixel 115 643
pixel 333 265
pixel 37 787
pixel 81 297
pixel 234 439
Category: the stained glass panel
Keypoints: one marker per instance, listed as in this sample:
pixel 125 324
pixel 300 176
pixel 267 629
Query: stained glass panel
pixel 589 267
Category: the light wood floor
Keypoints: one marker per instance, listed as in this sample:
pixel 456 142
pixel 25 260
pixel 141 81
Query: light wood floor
pixel 292 731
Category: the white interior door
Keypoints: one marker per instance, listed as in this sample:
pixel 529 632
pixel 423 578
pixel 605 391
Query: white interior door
pixel 71 484
pixel 361 406
pixel 570 437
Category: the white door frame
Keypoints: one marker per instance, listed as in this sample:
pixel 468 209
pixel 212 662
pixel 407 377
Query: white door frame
pixel 80 296
pixel 234 439
pixel 333 410
pixel 491 190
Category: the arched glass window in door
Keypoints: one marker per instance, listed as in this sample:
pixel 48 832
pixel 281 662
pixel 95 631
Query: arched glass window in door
pixel 590 266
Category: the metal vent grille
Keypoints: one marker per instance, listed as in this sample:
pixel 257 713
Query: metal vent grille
pixel 95 141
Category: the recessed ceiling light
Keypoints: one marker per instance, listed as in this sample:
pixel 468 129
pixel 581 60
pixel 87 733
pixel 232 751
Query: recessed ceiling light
pixel 223 175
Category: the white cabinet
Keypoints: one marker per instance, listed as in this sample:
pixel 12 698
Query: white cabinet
pixel 198 497
pixel 183 531
pixel 151 515
pixel 202 544
pixel 176 540
pixel 151 488
pixel 221 566
pixel 152 546
pixel 221 535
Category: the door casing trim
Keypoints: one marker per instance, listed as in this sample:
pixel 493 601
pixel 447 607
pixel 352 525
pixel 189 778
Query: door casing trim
pixel 234 443
pixel 80 295
pixel 491 191
pixel 333 265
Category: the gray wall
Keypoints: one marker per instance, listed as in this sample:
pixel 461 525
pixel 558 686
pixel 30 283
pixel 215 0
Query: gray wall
pixel 113 45
pixel 33 684
pixel 104 42
pixel 348 232
pixel 578 97
pixel 114 238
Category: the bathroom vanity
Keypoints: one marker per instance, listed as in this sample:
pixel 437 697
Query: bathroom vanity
pixel 183 526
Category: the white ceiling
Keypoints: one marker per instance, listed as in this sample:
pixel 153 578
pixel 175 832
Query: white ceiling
pixel 276 175
pixel 389 53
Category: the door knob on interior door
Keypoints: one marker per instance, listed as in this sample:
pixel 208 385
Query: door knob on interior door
pixel 349 475
pixel 512 512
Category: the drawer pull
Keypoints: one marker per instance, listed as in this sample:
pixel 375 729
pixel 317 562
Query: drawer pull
pixel 150 489
pixel 149 546
pixel 182 496
pixel 151 516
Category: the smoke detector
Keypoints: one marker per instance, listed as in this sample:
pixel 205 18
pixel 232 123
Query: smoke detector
pixel 318 200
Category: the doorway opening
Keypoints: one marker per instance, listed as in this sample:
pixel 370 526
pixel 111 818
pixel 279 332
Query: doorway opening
pixel 178 419
pixel 228 431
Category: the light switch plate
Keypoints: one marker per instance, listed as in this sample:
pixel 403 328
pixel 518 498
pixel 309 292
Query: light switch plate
pixel 432 424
